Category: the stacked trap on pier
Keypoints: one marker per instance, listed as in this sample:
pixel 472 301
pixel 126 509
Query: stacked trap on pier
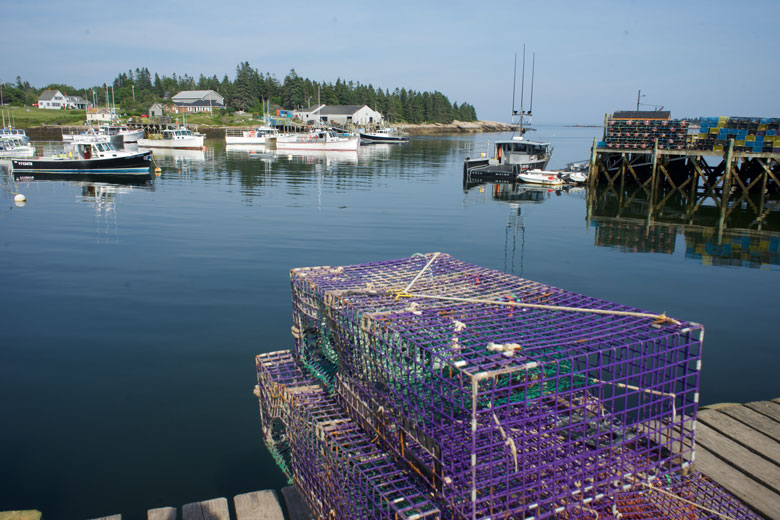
pixel 426 387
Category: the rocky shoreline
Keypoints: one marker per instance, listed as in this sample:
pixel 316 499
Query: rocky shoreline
pixel 456 127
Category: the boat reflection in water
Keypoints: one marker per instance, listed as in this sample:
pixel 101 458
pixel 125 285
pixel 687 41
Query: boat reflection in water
pixel 327 158
pixel 520 199
pixel 742 233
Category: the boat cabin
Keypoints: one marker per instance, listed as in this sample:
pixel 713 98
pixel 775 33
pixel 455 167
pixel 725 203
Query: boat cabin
pixel 519 151
pixel 179 133
pixel 95 150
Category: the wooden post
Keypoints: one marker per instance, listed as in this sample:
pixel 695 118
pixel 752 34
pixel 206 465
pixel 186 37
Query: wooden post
pixel 653 173
pixel 763 195
pixel 593 170
pixel 725 191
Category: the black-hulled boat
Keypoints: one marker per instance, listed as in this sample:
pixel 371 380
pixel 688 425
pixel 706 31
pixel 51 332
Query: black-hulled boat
pixel 383 135
pixel 92 158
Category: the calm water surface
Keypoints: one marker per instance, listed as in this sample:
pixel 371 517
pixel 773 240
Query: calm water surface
pixel 131 314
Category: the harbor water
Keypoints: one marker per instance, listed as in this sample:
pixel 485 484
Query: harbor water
pixel 132 313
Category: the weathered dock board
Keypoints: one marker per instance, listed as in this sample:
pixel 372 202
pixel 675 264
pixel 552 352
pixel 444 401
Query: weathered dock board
pixel 258 505
pixel 296 506
pixel 112 517
pixel 161 513
pixel 30 514
pixel 214 509
pixel 738 446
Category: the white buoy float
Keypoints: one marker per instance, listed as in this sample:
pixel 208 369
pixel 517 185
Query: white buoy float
pixel 20 200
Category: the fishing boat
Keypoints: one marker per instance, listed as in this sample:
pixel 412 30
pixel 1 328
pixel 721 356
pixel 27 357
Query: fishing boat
pixel 383 135
pixel 87 134
pixel 88 158
pixel 511 156
pixel 542 177
pixel 129 135
pixel 255 136
pixel 12 146
pixel 179 138
pixel 9 131
pixel 322 140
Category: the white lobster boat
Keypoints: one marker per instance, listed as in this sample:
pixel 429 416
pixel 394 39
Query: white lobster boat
pixel 323 140
pixel 177 138
pixel 255 136
pixel 13 146
pixel 129 135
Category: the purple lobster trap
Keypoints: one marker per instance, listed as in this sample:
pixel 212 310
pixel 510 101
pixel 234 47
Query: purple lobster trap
pixel 506 397
pixel 339 470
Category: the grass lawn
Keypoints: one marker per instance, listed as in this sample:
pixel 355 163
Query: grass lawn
pixel 25 117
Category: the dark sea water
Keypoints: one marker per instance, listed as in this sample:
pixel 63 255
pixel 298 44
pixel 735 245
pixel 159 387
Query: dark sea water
pixel 131 315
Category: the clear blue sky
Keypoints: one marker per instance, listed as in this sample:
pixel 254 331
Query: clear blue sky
pixel 694 57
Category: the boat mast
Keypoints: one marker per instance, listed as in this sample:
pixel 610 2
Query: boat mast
pixel 522 89
pixel 514 83
pixel 533 70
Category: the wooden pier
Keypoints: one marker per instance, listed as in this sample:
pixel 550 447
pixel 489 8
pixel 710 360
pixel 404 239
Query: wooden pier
pixel 257 505
pixel 738 446
pixel 694 179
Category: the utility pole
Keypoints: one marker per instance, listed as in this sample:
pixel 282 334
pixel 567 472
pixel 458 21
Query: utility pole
pixel 133 87
pixel 638 95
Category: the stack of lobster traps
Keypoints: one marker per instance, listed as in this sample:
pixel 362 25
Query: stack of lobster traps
pixel 429 388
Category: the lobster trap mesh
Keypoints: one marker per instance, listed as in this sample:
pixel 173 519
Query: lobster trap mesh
pixel 505 396
pixel 340 471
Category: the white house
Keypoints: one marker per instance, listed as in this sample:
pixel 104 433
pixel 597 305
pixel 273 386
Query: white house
pixel 100 115
pixel 197 101
pixel 52 99
pixel 56 100
pixel 340 114
pixel 77 102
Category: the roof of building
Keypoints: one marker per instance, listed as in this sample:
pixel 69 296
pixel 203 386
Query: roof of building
pixel 99 111
pixel 194 94
pixel 199 103
pixel 47 95
pixel 75 98
pixel 332 110
pixel 312 108
pixel 642 114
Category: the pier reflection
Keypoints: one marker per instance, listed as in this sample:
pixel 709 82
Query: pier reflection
pixel 743 231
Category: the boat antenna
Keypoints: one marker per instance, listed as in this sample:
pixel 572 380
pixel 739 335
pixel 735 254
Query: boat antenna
pixel 533 69
pixel 522 86
pixel 514 83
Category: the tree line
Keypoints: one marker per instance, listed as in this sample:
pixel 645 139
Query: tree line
pixel 136 90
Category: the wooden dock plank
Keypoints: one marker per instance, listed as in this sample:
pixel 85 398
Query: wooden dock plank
pixel 161 513
pixel 214 509
pixel 757 468
pixel 112 517
pixel 753 440
pixel 767 408
pixel 297 508
pixel 758 497
pixel 753 419
pixel 258 505
pixel 30 514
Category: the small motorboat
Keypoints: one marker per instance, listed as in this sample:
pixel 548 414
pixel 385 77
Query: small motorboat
pixel 543 177
pixel 88 158
pixel 576 177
